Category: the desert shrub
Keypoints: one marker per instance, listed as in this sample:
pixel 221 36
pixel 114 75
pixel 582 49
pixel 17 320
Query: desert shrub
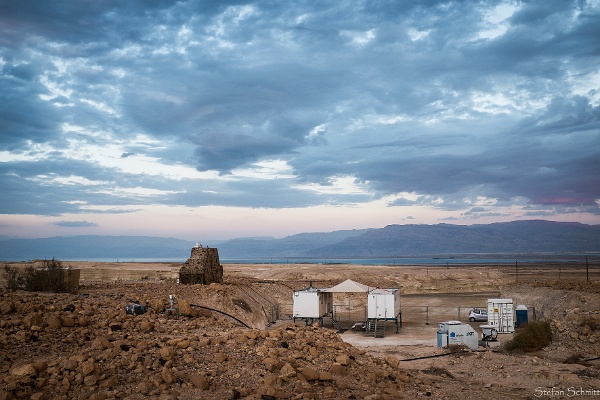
pixel 531 336
pixel 50 277
pixel 32 280
pixel 14 280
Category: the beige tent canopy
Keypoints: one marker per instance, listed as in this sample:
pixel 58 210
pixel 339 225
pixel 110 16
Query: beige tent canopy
pixel 349 286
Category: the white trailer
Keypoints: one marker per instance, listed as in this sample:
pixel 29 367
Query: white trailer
pixel 500 315
pixel 384 304
pixel 312 304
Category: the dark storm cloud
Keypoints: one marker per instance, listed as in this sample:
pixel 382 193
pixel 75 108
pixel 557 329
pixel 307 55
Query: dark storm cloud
pixel 23 115
pixel 224 152
pixel 433 98
pixel 565 116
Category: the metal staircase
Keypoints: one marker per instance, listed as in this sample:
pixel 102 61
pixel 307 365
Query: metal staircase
pixel 334 322
pixel 376 328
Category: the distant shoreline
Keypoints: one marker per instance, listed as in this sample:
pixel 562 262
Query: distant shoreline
pixel 430 260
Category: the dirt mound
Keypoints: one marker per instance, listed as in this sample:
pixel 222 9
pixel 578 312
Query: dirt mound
pixel 574 314
pixel 86 346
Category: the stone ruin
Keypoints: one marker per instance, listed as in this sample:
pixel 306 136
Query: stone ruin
pixel 202 267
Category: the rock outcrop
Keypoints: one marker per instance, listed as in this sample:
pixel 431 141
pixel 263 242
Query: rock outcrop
pixel 202 267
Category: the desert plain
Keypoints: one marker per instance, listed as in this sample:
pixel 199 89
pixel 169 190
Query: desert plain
pixel 237 340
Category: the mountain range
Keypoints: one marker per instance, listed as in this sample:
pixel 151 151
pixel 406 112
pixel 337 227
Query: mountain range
pixel 534 236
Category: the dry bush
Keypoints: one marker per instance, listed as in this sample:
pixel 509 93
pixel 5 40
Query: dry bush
pixel 532 336
pixel 50 277
pixel 14 280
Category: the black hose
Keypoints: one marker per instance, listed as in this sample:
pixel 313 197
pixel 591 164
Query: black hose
pixel 222 312
pixel 436 355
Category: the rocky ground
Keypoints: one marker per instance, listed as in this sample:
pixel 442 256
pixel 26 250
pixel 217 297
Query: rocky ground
pixel 84 346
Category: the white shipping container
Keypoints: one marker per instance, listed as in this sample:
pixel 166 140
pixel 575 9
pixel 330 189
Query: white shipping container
pixel 312 303
pixel 501 315
pixel 383 304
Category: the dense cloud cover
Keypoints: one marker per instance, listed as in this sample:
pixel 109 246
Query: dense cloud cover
pixel 476 110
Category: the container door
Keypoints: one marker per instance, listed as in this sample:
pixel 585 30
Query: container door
pixel 372 306
pixel 521 317
pixel 506 322
pixel 381 309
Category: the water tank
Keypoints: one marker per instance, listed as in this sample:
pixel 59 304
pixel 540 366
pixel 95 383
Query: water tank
pixel 521 314
pixel 456 333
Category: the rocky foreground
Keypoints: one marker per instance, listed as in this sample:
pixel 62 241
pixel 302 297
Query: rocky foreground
pixel 85 346
pixel 73 346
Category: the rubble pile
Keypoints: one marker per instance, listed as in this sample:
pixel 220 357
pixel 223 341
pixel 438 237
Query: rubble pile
pixel 69 346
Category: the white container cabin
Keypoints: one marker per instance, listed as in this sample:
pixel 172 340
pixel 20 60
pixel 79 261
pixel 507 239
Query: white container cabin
pixel 501 315
pixel 384 304
pixel 312 305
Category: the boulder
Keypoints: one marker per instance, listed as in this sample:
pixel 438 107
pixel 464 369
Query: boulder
pixel 87 368
pixel 343 359
pixel 101 342
pixel 200 381
pixel 23 370
pixel 7 307
pixel 271 364
pixel 146 326
pixel 337 369
pixel 167 375
pixel 54 321
pixel 167 353
pixel 32 319
pixel 90 380
pixel 68 321
pixel 287 372
pixel 310 374
pixel 185 308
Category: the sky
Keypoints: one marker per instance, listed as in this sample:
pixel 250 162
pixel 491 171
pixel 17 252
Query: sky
pixel 224 119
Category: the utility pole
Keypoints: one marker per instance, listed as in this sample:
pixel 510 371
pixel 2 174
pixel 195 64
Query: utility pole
pixel 587 270
pixel 517 271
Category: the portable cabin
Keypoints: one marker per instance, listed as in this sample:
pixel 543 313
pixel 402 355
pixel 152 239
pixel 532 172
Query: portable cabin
pixel 500 315
pixel 312 304
pixel 384 305
pixel 521 315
